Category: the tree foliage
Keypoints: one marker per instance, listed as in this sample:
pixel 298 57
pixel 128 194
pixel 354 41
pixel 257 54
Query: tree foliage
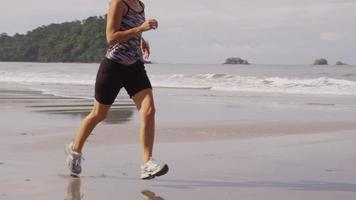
pixel 77 41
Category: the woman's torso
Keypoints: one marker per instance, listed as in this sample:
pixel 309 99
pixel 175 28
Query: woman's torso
pixel 128 51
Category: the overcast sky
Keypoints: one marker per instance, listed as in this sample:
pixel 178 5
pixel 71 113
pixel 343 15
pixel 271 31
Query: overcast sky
pixel 208 31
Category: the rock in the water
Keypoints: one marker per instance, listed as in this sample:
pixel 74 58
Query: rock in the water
pixel 340 63
pixel 236 60
pixel 321 61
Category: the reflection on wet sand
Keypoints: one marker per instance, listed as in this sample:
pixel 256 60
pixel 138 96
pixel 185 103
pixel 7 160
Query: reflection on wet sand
pixel 73 190
pixel 149 195
pixel 118 114
pixel 121 111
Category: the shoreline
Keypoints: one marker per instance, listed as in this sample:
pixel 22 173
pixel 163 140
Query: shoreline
pixel 58 111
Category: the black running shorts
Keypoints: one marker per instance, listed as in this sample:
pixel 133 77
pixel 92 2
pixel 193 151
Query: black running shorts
pixel 112 76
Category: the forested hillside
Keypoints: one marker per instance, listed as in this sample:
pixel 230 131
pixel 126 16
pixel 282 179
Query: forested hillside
pixel 77 41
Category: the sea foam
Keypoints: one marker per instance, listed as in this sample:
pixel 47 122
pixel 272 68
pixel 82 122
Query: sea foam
pixel 209 81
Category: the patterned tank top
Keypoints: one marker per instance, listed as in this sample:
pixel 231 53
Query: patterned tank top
pixel 129 49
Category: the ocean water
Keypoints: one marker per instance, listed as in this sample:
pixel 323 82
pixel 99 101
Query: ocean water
pixel 77 80
pixel 186 93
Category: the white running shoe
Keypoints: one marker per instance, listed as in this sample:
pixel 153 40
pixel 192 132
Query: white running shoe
pixel 152 169
pixel 73 159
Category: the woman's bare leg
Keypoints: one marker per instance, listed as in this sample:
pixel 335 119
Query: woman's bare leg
pixel 97 115
pixel 145 104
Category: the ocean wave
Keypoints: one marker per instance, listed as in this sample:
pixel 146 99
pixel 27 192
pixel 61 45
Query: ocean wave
pixel 209 81
pixel 348 75
pixel 227 82
pixel 46 78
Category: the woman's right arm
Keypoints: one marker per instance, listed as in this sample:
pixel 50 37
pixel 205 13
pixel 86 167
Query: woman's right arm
pixel 116 11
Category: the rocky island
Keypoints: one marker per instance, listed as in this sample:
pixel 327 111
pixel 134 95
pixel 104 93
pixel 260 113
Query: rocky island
pixel 340 63
pixel 321 61
pixel 236 60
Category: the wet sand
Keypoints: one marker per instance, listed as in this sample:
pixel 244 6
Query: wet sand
pixel 225 158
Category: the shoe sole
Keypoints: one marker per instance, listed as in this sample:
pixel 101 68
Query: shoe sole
pixel 74 175
pixel 161 172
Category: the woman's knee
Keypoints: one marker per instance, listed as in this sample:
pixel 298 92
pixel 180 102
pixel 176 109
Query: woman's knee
pixel 97 117
pixel 99 112
pixel 148 112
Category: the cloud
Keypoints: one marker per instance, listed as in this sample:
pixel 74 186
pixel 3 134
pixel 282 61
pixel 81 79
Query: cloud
pixel 22 16
pixel 330 36
pixel 287 31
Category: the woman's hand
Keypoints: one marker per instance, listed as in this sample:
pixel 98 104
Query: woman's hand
pixel 149 25
pixel 145 47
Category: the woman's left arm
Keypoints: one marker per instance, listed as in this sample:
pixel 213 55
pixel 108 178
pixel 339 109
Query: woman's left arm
pixel 145 48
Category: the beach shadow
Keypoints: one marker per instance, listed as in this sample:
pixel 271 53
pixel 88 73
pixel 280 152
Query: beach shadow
pixel 304 185
pixel 116 115
pixel 149 195
pixel 73 189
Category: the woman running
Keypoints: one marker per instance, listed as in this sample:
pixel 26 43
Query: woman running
pixel 122 67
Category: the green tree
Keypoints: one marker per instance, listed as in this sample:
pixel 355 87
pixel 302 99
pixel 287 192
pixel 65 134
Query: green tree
pixel 77 41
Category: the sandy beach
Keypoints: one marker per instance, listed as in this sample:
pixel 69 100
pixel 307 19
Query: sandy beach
pixel 214 158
